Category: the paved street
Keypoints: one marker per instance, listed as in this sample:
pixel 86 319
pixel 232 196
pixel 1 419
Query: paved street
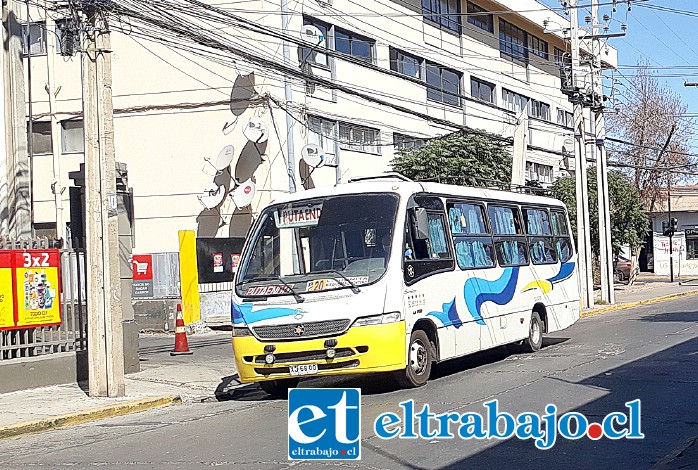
pixel 648 352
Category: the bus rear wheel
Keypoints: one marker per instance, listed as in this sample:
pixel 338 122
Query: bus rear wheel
pixel 535 334
pixel 278 388
pixel 420 357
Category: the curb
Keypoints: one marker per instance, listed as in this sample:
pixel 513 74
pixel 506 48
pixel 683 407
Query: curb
pixel 611 308
pixel 79 417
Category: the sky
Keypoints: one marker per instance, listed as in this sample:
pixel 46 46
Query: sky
pixel 664 39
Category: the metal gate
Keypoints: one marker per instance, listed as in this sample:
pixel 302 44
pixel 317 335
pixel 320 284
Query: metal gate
pixel 71 334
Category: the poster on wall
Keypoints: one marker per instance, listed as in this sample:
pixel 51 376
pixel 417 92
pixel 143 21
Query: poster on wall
pixel 218 262
pixel 36 287
pixel 215 258
pixel 142 285
pixel 7 311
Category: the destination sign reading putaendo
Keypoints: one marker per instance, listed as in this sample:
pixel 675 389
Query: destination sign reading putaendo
pixel 302 216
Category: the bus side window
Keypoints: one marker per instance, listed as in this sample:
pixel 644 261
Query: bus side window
pixel 430 252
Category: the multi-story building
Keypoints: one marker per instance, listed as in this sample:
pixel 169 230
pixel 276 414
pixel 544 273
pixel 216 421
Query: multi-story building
pixel 390 74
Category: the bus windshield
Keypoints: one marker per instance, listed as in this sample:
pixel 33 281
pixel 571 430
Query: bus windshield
pixel 319 244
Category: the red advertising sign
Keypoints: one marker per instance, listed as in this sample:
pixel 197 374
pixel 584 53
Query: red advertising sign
pixel 142 267
pixel 7 303
pixel 29 288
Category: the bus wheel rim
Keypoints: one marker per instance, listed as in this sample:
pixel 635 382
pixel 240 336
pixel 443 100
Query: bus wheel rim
pixel 418 357
pixel 535 331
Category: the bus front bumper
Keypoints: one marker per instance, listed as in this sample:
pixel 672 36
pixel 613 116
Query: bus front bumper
pixel 373 348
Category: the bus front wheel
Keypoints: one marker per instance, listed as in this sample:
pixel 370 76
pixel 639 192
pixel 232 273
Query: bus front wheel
pixel 535 334
pixel 279 387
pixel 419 360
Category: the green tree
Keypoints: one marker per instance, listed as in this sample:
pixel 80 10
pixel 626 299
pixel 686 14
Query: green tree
pixel 464 159
pixel 629 223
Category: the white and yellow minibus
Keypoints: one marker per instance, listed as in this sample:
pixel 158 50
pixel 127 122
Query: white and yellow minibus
pixel 390 275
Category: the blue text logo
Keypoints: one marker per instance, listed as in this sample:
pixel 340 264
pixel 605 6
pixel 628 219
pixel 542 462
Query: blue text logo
pixel 324 424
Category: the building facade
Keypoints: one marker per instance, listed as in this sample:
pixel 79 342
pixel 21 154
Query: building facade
pixel 387 74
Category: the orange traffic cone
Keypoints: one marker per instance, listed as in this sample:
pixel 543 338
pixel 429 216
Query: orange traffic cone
pixel 181 344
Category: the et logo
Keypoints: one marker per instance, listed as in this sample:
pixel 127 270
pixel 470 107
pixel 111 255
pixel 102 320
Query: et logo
pixel 324 424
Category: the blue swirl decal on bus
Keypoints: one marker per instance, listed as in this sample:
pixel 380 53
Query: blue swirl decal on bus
pixel 448 314
pixel 243 314
pixel 476 292
pixel 546 285
pixel 566 270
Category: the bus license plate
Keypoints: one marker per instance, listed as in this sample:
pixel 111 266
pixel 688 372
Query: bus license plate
pixel 303 369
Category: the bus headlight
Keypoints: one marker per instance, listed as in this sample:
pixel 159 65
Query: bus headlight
pixel 390 317
pixel 239 331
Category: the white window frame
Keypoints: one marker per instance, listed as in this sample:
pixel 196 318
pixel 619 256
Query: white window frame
pixel 41 39
pixel 68 126
pixel 357 138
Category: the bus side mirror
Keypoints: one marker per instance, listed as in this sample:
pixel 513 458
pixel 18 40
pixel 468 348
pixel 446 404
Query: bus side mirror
pixel 421 225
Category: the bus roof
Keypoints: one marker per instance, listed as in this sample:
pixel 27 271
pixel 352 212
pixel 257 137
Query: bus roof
pixel 407 188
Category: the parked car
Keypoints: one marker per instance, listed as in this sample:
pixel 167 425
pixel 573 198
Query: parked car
pixel 621 268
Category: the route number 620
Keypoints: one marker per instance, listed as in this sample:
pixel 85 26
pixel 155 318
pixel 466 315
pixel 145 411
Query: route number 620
pixel 36 261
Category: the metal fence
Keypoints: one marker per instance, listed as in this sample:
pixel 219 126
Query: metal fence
pixel 166 275
pixel 71 334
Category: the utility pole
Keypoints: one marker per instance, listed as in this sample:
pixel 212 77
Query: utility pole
pixel 105 329
pixel 56 186
pixel 599 131
pixel 583 235
pixel 288 96
pixel 30 128
pixel 671 234
pixel 4 186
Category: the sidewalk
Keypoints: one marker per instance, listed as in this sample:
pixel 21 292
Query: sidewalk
pixel 163 380
pixel 206 375
pixel 652 290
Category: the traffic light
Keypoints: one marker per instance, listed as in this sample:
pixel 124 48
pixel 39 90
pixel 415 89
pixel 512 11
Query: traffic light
pixel 669 227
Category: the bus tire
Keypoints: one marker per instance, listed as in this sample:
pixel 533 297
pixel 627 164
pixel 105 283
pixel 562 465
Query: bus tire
pixel 420 356
pixel 535 334
pixel 278 388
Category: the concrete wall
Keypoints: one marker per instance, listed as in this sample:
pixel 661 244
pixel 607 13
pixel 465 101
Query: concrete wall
pixel 43 371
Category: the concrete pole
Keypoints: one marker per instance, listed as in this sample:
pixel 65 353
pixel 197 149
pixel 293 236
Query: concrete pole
pixel 583 235
pixel 288 96
pixel 105 338
pixel 19 213
pixel 57 187
pixel 599 131
pixel 4 183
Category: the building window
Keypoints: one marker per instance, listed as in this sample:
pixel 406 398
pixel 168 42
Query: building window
pixel 479 17
pixel 353 45
pixel 561 57
pixel 72 136
pixel 321 132
pixel 359 138
pixel 444 84
pixel 37 38
pixel 514 101
pixel 482 90
pixel 407 142
pixel 443 12
pixel 565 118
pixel 308 54
pixel 539 110
pixel 41 137
pixel 405 64
pixel 538 47
pixel 691 243
pixel 512 41
pixel 45 229
pixel 539 172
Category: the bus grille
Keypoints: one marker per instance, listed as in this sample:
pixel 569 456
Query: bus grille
pixel 301 330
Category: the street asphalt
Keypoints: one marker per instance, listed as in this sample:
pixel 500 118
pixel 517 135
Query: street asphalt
pixel 648 352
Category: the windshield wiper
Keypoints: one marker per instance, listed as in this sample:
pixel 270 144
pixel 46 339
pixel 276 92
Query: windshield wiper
pixel 354 289
pixel 295 294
